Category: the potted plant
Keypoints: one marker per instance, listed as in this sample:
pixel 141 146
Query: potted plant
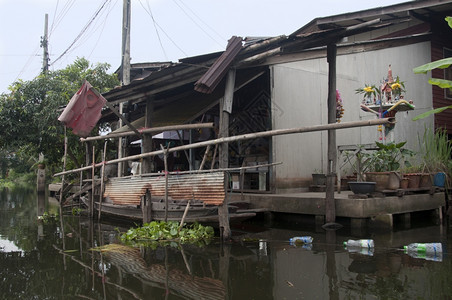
pixel 318 177
pixel 360 161
pixel 435 151
pixel 386 163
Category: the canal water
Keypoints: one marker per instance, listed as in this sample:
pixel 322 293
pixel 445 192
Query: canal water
pixel 53 258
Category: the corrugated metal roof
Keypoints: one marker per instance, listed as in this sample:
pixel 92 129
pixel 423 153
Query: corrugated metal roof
pixel 422 9
pixel 207 187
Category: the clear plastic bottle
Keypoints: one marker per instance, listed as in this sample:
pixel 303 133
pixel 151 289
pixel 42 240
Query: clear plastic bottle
pixel 360 250
pixel 359 243
pixel 301 240
pixel 424 248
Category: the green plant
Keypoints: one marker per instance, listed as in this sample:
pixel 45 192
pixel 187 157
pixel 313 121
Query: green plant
pixel 368 91
pixel 76 211
pixel 167 232
pixel 318 171
pixel 398 87
pixel 390 157
pixel 442 83
pixel 360 161
pixel 436 151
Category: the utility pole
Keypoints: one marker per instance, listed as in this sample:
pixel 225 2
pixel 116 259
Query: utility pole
pixel 125 71
pixel 44 45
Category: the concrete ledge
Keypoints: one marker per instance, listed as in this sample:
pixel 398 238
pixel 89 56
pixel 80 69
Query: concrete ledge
pixel 314 203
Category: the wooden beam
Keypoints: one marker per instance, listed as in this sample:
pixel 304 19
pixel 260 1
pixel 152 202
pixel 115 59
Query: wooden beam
pixel 116 112
pixel 225 110
pixel 152 130
pixel 247 136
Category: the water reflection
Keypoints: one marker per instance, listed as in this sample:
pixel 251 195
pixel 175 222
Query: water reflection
pixel 54 259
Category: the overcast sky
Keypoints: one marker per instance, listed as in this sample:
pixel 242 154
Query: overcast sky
pixel 161 30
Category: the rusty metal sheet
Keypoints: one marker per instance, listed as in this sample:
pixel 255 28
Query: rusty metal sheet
pixel 207 187
pixel 209 81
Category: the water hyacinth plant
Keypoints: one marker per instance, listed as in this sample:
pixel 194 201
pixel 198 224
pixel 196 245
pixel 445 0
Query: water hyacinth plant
pixel 170 231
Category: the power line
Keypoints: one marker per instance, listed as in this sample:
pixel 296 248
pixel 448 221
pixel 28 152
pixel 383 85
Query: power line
pixel 58 18
pixel 83 31
pixel 149 11
pixel 103 27
pixel 196 23
pixel 212 29
pixel 174 43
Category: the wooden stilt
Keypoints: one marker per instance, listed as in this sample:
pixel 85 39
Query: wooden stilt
pixel 146 207
pixel 330 205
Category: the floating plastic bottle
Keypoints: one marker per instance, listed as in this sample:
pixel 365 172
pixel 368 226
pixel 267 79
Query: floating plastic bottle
pixel 427 251
pixel 301 240
pixel 359 243
pixel 430 248
pixel 427 256
pixel 360 250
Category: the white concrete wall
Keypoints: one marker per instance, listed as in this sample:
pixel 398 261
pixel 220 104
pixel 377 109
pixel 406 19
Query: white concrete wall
pixel 299 98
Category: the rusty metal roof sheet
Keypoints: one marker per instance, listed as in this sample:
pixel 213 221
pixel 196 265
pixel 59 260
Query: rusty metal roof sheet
pixel 208 82
pixel 207 187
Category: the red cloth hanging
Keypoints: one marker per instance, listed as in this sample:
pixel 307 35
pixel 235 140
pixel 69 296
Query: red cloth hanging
pixel 83 111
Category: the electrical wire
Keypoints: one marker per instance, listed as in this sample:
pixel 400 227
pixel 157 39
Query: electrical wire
pixel 149 11
pixel 196 23
pixel 58 18
pixel 174 43
pixel 103 27
pixel 82 31
pixel 27 63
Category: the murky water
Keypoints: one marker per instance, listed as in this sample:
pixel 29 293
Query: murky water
pixel 51 259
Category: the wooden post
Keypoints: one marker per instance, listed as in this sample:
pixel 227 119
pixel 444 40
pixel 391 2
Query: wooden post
pixel 330 206
pixel 146 206
pixel 102 178
pixel 225 110
pixel 125 69
pixel 62 179
pixel 91 204
pixel 165 161
pixel 146 144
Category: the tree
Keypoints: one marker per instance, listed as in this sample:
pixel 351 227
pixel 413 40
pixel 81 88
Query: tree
pixel 29 113
pixel 439 64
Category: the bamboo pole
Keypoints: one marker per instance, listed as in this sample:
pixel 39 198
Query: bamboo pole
pixel 165 161
pixel 91 205
pixel 149 130
pixel 204 157
pixel 102 180
pixel 214 156
pixel 247 136
pixel 182 143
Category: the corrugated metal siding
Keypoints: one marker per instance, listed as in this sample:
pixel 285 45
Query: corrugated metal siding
pixel 207 187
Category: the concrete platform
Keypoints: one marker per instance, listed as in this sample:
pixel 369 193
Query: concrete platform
pixel 379 210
